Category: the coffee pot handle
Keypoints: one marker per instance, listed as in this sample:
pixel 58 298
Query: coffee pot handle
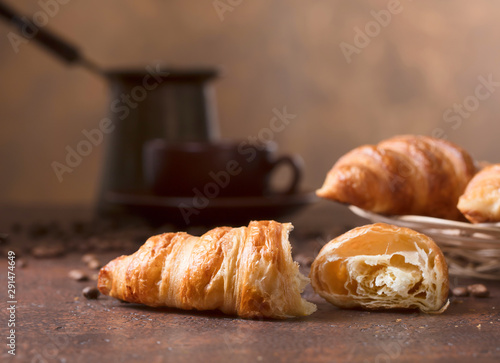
pixel 295 163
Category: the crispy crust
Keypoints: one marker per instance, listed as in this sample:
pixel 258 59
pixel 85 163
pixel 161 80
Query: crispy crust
pixel 480 202
pixel 402 175
pixel 381 266
pixel 246 271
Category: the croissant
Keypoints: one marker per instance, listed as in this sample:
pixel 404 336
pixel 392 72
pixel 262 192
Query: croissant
pixel 481 200
pixel 247 271
pixel 403 175
pixel 381 266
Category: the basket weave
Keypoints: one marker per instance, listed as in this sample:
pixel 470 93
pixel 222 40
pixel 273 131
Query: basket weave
pixel 471 250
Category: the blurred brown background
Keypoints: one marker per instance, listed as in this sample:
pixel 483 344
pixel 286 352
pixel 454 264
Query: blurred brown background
pixel 275 53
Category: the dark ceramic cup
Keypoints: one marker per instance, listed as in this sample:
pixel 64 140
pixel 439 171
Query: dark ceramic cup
pixel 215 169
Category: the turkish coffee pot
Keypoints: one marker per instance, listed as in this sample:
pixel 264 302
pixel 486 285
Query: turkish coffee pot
pixel 154 102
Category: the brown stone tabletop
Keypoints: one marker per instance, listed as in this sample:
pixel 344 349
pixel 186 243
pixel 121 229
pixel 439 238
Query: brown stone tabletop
pixel 54 322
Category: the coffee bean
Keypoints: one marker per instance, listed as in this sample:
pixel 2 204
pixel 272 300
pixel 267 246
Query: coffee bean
pixel 86 258
pixel 460 291
pixel 91 292
pixel 78 275
pixel 478 290
pixel 94 264
pixel 48 250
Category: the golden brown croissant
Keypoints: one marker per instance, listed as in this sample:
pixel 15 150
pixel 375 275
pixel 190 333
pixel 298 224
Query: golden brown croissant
pixel 381 266
pixel 403 175
pixel 246 271
pixel 481 201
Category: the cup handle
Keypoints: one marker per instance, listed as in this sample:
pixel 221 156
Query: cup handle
pixel 295 162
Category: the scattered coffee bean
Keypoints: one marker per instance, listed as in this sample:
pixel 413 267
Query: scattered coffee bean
pixel 78 275
pixel 304 260
pixel 54 238
pixel 478 290
pixel 94 264
pixel 460 291
pixel 86 258
pixel 91 292
pixel 48 250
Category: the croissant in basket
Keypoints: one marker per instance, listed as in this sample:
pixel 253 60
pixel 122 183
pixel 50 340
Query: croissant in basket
pixel 481 201
pixel 246 271
pixel 403 175
pixel 381 266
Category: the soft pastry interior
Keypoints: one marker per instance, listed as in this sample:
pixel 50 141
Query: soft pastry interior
pixel 480 202
pixel 246 271
pixel 382 266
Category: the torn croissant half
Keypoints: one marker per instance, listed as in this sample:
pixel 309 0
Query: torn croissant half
pixel 381 266
pixel 246 271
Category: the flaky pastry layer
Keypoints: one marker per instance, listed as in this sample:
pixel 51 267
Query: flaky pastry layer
pixel 381 266
pixel 405 174
pixel 246 271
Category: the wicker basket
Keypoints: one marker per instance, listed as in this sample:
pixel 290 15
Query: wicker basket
pixel 471 250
